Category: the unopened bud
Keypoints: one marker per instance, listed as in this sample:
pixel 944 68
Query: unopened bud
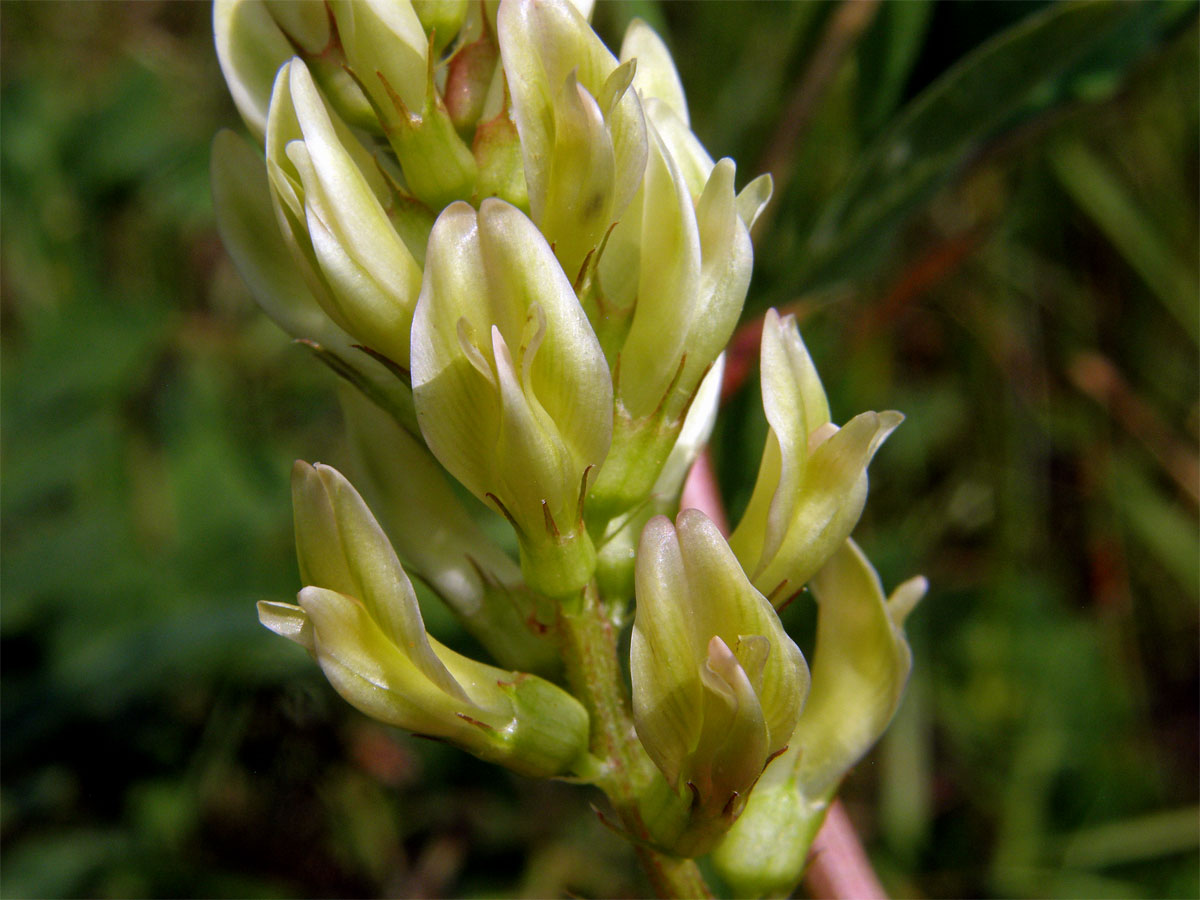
pixel 511 387
pixel 583 135
pixel 442 19
pixel 356 264
pixel 469 77
pixel 717 683
pixel 359 617
pixel 391 56
pixel 860 668
pixel 812 482
pixel 439 541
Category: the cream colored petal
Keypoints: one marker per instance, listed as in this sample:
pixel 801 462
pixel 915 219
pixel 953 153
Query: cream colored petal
pixel 250 233
pixel 723 602
pixel 667 691
pixel 544 472
pixel 828 504
pixel 283 125
pixel 287 620
pixel 750 536
pixel 384 38
pixel 807 389
pixel 795 405
pixel 540 44
pixel 456 404
pixel 689 154
pixel 378 677
pixel 568 374
pixel 319 548
pixel 668 286
pixel 754 197
pixel 305 21
pixel 579 191
pixel 726 261
pixel 342 548
pixel 656 75
pixel 584 8
pixel 363 258
pixel 250 49
pixel 734 738
pixel 495 271
pixel 860 669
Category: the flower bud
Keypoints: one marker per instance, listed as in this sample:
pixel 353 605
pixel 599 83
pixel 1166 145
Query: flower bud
pixel 438 540
pixel 250 233
pixel 250 48
pixel 683 268
pixel 441 19
pixel 469 76
pixel 388 50
pixel 497 149
pixel 583 136
pixel 511 387
pixel 717 683
pixel 384 42
pixel 359 617
pixel 812 481
pixel 656 75
pixel 311 31
pixel 326 190
pixel 255 37
pixel 860 669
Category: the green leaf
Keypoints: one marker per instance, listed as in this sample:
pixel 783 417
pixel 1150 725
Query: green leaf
pixel 886 57
pixel 1111 204
pixel 1157 525
pixel 937 132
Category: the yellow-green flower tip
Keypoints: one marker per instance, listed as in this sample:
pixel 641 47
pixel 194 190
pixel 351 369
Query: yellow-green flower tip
pixel 442 19
pixel 812 481
pixel 717 683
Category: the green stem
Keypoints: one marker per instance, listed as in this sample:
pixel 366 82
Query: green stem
pixel 589 643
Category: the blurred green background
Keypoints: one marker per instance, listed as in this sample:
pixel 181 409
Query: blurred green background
pixel 985 216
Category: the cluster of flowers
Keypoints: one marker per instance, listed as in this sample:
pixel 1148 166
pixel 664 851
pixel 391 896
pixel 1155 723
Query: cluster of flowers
pixel 526 267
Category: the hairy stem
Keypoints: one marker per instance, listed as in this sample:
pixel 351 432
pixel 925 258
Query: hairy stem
pixel 589 644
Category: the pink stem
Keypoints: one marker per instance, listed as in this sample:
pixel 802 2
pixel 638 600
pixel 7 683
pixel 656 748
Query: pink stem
pixel 838 867
pixel 700 492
